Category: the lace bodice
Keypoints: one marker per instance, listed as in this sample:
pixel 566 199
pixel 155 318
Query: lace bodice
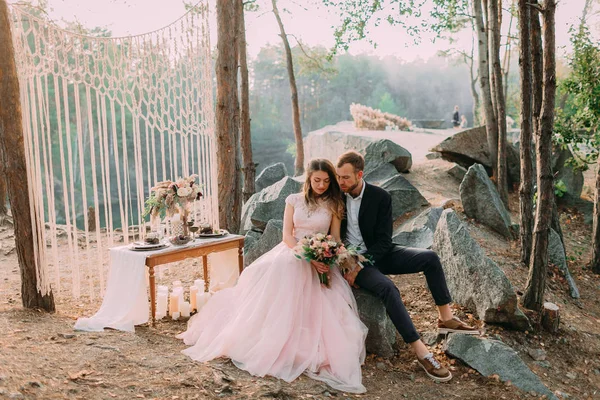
pixel 308 221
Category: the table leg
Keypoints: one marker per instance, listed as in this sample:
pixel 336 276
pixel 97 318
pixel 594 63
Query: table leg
pixel 206 276
pixel 241 257
pixel 152 294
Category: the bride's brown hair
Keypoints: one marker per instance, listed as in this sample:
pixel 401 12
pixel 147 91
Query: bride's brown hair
pixel 333 195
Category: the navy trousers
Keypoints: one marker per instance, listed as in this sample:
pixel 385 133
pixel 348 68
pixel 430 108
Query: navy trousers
pixel 406 260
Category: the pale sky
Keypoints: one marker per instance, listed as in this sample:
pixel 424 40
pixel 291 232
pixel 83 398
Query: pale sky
pixel 312 25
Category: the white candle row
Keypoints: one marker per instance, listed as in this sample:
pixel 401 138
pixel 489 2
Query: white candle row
pixel 174 303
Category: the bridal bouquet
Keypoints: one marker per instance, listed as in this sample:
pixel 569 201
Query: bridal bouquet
pixel 322 248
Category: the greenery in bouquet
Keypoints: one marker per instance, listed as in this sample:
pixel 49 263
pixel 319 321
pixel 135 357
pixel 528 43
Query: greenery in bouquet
pixel 168 198
pixel 322 248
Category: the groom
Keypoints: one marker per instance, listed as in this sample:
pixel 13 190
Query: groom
pixel 368 225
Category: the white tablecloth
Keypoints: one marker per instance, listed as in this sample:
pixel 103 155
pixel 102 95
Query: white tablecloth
pixel 126 301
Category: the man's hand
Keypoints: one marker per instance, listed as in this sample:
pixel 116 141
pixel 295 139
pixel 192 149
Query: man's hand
pixel 353 270
pixel 320 267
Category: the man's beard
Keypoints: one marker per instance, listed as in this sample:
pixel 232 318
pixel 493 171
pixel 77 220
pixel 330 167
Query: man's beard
pixel 351 188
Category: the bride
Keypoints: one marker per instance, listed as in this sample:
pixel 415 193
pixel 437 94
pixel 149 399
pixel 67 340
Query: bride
pixel 279 320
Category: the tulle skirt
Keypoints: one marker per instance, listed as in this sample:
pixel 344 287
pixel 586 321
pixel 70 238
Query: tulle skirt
pixel 280 321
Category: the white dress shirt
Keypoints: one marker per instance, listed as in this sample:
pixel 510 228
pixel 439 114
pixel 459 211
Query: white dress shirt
pixel 353 235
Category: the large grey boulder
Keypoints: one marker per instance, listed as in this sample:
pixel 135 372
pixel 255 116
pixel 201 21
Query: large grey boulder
pixel 473 279
pixel 250 238
pixel 556 256
pixel 333 140
pixel 380 174
pixel 405 197
pixel 267 204
pixel 492 357
pixel 458 172
pixel 573 179
pixel 270 175
pixel 270 238
pixel 470 146
pixel 387 152
pixel 382 333
pixel 481 201
pixel 419 231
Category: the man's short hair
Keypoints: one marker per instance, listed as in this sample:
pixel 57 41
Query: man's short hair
pixel 353 158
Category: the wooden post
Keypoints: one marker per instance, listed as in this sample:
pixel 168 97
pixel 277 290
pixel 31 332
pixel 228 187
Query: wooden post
pixel 15 169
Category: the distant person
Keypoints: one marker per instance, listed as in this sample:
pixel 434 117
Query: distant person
pixel 456 118
pixel 463 121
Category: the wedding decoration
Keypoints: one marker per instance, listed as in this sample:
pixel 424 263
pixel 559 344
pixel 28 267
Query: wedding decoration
pixel 168 198
pixel 372 119
pixel 102 117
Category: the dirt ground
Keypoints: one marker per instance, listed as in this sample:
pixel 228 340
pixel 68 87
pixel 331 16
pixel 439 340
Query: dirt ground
pixel 41 356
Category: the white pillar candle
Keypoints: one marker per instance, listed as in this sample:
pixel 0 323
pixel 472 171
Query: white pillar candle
pixel 161 304
pixel 162 289
pixel 199 283
pixel 185 309
pixel 173 303
pixel 175 315
pixel 193 298
pixel 180 296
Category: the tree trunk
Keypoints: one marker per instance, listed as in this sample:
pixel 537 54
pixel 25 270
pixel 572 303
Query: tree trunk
pixel 3 209
pixel 555 223
pixel 526 188
pixel 249 168
pixel 494 25
pixel 227 116
pixel 536 282
pixel 507 51
pixel 299 164
pixel 15 170
pixel 474 79
pixel 537 66
pixel 484 82
pixel 596 225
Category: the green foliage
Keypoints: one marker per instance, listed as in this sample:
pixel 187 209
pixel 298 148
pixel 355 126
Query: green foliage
pixel 154 204
pixel 560 188
pixel 578 123
pixel 358 16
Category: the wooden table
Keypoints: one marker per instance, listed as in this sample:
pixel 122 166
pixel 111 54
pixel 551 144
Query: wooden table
pixel 198 249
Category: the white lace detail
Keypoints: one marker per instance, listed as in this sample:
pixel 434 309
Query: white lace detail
pixel 309 220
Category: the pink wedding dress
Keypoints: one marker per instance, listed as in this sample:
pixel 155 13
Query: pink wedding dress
pixel 279 320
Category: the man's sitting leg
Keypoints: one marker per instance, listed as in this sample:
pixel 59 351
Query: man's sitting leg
pixel 371 279
pixel 409 260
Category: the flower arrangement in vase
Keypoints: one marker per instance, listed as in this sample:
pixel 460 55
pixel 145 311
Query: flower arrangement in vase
pixel 168 198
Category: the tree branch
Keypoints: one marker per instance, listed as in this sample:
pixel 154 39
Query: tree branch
pixel 536 6
pixel 318 63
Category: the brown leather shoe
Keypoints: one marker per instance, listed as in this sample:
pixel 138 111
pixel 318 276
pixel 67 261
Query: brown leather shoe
pixel 434 369
pixel 455 325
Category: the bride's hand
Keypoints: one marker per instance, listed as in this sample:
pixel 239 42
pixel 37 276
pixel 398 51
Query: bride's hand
pixel 320 267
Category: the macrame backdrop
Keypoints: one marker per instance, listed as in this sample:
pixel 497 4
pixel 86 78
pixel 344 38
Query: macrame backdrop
pixel 104 120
